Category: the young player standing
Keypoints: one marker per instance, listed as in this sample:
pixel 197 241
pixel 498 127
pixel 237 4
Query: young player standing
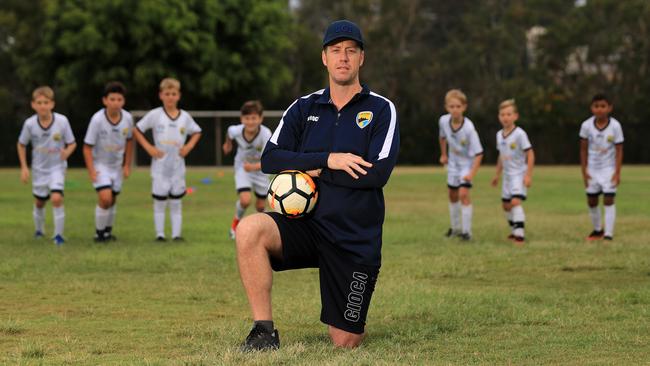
pixel 171 127
pixel 52 143
pixel 601 157
pixel 458 135
pixel 251 137
pixel 516 161
pixel 108 150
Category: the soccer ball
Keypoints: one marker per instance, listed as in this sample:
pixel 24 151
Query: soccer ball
pixel 292 193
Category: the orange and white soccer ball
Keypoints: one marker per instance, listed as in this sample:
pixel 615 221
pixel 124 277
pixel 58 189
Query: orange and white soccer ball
pixel 292 193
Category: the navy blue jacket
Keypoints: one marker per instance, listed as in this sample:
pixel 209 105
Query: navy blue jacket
pixel 350 212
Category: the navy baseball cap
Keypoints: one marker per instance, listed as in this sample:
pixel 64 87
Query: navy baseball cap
pixel 343 29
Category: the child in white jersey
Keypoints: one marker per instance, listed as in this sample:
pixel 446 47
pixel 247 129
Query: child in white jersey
pixel 457 133
pixel 601 158
pixel 251 137
pixel 171 127
pixel 52 143
pixel 108 150
pixel 516 161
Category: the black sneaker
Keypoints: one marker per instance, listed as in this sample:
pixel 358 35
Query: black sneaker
pixel 451 233
pixel 161 239
pixel 608 237
pixel 465 236
pixel 260 339
pixel 596 234
pixel 99 236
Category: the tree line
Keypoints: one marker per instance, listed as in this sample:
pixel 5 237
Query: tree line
pixel 550 55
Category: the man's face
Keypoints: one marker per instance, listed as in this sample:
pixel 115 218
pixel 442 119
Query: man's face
pixel 455 107
pixel 343 61
pixel 251 121
pixel 113 102
pixel 170 97
pixel 507 116
pixel 601 109
pixel 42 105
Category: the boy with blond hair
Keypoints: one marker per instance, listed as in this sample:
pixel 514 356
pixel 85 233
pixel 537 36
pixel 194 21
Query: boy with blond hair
pixel 458 135
pixel 516 161
pixel 108 151
pixel 601 158
pixel 171 129
pixel 251 137
pixel 52 143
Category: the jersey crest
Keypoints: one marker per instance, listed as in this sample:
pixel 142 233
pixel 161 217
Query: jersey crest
pixel 513 145
pixel 56 137
pixel 182 130
pixel 610 138
pixel 364 118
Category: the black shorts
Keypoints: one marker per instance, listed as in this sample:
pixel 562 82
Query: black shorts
pixel 345 286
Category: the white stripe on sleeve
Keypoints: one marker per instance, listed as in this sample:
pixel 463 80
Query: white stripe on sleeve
pixel 388 142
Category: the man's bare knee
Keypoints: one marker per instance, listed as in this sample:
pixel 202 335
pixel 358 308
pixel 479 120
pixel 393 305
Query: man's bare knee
pixel 344 339
pixel 257 231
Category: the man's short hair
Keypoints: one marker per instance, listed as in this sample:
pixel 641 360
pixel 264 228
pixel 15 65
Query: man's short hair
pixel 601 96
pixel 170 83
pixel 456 94
pixel 252 107
pixel 508 103
pixel 114 87
pixel 45 91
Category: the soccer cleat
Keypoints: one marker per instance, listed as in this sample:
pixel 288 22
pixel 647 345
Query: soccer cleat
pixel 38 234
pixel 233 227
pixel 608 237
pixel 511 237
pixel 260 339
pixel 451 233
pixel 465 236
pixel 160 239
pixel 596 235
pixel 518 240
pixel 178 239
pixel 58 240
pixel 108 234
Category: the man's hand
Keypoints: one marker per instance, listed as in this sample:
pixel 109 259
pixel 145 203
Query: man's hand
pixel 495 181
pixel 93 175
pixel 586 177
pixel 126 171
pixel 24 175
pixel 155 153
pixel 350 163
pixel 616 179
pixel 443 159
pixel 314 173
pixel 528 180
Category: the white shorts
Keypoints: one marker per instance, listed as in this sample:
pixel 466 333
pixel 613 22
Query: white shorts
pixel 167 187
pixel 513 187
pixel 255 181
pixel 455 178
pixel 601 182
pixel 108 178
pixel 45 183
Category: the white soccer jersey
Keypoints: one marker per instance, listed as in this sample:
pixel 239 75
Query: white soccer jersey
pixel 512 151
pixel 169 136
pixel 248 151
pixel 109 139
pixel 602 141
pixel 47 143
pixel 463 143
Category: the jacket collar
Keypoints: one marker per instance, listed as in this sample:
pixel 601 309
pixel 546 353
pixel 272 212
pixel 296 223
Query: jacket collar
pixel 326 99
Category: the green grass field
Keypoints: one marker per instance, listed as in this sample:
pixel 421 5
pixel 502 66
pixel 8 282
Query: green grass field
pixel 558 300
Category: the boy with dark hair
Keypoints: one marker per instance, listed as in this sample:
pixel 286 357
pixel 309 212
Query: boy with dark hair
pixel 601 158
pixel 251 137
pixel 108 151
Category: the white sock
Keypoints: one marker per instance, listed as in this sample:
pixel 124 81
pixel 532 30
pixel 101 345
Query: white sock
pixel 454 215
pixel 59 220
pixel 594 213
pixel 466 211
pixel 176 216
pixel 511 223
pixel 610 218
pixel 519 218
pixel 101 218
pixel 39 218
pixel 239 210
pixel 111 216
pixel 159 208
